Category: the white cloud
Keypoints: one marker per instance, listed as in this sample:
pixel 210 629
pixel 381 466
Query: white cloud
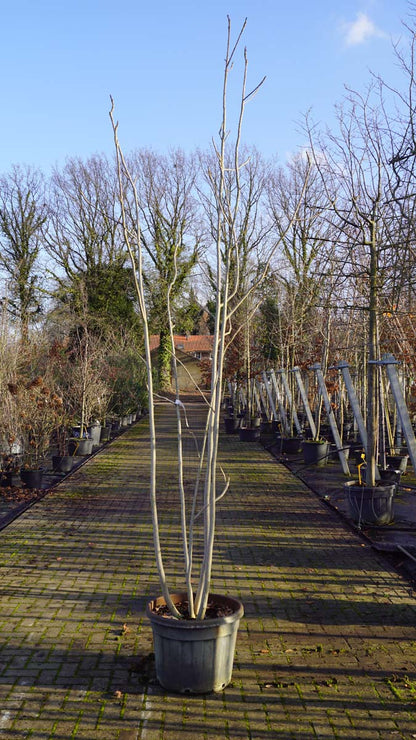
pixel 361 30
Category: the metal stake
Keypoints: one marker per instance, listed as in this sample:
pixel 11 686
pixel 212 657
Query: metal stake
pixel 304 397
pixel 390 362
pixel 331 418
pixel 269 395
pixel 292 407
pixel 283 417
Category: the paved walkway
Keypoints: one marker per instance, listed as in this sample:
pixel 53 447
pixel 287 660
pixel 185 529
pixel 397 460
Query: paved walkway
pixel 326 649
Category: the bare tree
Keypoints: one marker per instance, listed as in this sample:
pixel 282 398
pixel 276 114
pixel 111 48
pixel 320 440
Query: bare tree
pixel 248 228
pixel 23 213
pixel 302 269
pixel 170 237
pixel 84 222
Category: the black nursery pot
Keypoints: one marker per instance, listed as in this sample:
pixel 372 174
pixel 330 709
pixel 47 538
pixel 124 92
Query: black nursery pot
pixel 32 478
pixel 315 453
pixel 291 445
pixel 231 424
pixel 370 504
pixel 195 656
pixel 397 462
pixel 6 479
pixel 62 463
pixel 249 434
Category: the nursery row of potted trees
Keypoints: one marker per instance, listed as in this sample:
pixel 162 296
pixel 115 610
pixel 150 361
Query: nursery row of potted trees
pixel 40 427
pixel 372 504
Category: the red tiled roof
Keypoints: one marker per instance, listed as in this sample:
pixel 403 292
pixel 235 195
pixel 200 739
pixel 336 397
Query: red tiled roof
pixel 191 343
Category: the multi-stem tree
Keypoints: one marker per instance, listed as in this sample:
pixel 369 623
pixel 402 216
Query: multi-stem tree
pixel 208 484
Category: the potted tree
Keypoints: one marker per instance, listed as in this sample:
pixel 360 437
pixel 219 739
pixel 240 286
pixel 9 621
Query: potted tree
pixel 195 628
pixel 86 389
pixel 38 410
pixel 62 461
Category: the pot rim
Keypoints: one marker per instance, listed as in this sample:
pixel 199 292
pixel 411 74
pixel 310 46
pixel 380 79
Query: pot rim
pixel 193 624
pixel 380 485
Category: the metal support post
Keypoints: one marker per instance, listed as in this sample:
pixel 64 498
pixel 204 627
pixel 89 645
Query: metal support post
pixel 282 411
pixel 269 395
pixel 263 405
pixel 331 418
pixel 344 367
pixel 257 396
pixel 362 431
pixel 304 397
pixel 390 363
pixel 292 406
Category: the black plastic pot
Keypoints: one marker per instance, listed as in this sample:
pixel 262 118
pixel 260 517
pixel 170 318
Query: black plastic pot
pixel 194 656
pixel 80 447
pixel 249 434
pixel 105 434
pixel 397 462
pixel 6 479
pixel 62 463
pixel 231 424
pixel 291 445
pixel 390 475
pixel 370 504
pixel 31 478
pixel 315 452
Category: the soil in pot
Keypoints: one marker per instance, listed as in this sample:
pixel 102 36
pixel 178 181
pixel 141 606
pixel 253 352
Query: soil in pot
pixel 193 656
pixel 370 504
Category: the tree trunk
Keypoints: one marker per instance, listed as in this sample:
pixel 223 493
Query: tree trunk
pixel 372 405
pixel 164 362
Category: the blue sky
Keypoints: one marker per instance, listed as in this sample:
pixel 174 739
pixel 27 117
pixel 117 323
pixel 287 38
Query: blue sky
pixel 163 62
